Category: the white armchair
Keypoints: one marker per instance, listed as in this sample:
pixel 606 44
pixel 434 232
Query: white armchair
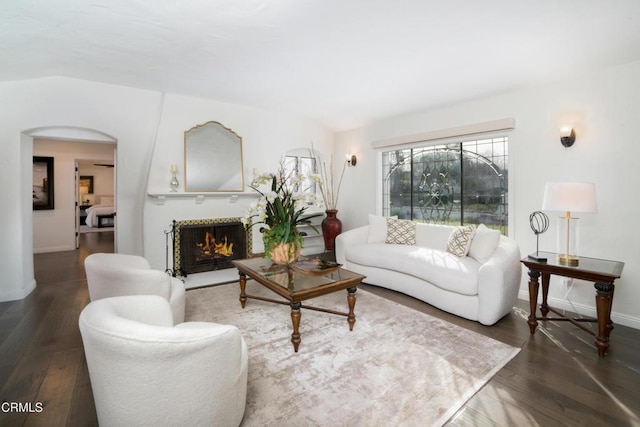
pixel 146 372
pixel 112 275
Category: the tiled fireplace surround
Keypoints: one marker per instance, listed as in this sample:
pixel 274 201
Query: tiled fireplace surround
pixel 204 245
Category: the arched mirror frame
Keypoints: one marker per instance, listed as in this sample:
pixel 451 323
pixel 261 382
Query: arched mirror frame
pixel 197 165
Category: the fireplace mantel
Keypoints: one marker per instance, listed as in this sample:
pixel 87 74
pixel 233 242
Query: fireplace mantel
pixel 160 198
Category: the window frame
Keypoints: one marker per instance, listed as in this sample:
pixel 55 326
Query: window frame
pixel 508 134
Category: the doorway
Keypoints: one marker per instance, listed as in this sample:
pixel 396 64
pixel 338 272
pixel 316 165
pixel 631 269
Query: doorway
pixel 56 229
pixel 96 199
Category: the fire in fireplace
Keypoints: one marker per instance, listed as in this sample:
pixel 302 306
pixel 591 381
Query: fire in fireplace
pixel 208 244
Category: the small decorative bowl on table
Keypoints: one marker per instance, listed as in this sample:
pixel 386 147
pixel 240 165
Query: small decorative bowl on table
pixel 314 266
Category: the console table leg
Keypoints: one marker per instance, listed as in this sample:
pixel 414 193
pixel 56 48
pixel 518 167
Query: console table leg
pixel 544 307
pixel 351 299
pixel 243 285
pixel 604 298
pixel 533 299
pixel 295 319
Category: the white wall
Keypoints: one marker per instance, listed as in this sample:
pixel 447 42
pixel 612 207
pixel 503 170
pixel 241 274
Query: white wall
pixel 54 230
pixel 266 136
pixel 135 119
pixel 103 177
pixel 127 114
pixel 603 107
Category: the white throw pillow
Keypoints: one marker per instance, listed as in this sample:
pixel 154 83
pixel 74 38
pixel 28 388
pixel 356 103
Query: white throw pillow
pixel 378 228
pixel 401 232
pixel 460 240
pixel 484 243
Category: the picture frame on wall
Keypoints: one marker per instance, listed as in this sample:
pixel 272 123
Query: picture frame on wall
pixel 42 183
pixel 85 186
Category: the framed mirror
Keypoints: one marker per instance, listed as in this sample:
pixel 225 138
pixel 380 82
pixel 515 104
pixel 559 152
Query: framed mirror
pixel 213 159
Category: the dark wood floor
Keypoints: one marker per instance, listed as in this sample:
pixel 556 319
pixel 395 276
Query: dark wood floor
pixel 557 378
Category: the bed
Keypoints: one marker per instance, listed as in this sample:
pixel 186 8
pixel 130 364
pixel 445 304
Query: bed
pixel 98 215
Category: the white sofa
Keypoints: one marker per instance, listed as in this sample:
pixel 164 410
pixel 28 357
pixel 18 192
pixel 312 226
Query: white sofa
pixel 481 286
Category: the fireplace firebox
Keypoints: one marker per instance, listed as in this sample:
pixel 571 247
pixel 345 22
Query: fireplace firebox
pixel 208 244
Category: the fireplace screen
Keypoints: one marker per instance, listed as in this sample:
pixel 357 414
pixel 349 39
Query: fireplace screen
pixel 209 244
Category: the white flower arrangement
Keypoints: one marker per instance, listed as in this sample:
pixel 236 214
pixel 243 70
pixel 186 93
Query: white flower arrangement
pixel 280 207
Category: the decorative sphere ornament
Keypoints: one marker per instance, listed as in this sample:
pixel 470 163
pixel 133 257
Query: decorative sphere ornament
pixel 539 222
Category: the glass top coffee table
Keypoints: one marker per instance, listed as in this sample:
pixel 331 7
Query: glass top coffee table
pixel 295 286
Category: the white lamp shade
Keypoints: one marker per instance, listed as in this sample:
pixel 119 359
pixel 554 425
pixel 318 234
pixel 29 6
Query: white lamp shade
pixel 570 197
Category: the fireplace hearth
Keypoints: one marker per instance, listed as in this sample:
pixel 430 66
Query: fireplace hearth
pixel 208 244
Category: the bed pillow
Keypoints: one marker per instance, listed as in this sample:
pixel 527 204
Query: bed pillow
pixel 106 200
pixel 401 232
pixel 484 243
pixel 378 228
pixel 460 240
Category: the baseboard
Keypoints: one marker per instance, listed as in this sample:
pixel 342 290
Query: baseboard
pixel 53 249
pixel 19 294
pixel 585 310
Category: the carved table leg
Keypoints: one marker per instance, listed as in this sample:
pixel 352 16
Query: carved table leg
pixel 533 299
pixel 295 319
pixel 604 298
pixel 243 285
pixel 351 299
pixel 544 307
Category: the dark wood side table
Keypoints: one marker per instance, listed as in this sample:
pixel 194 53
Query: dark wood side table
pixel 600 271
pixel 83 213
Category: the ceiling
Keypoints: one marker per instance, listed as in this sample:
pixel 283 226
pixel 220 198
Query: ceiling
pixel 342 62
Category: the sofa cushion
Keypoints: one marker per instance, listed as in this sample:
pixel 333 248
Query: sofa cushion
pixel 484 243
pixel 437 267
pixel 434 236
pixel 401 231
pixel 460 240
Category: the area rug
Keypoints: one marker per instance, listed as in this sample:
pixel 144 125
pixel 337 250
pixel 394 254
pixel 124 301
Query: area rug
pixel 397 367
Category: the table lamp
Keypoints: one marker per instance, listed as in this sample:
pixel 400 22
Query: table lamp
pixel 569 197
pixel 84 190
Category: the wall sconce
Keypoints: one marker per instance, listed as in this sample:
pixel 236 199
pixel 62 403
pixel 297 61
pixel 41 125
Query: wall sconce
pixel 567 136
pixel 351 159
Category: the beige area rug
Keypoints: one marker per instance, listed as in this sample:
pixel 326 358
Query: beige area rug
pixel 398 367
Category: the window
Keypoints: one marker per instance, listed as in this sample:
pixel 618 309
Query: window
pixel 304 165
pixel 458 183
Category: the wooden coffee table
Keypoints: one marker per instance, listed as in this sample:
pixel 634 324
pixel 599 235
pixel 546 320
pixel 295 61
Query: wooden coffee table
pixel 295 287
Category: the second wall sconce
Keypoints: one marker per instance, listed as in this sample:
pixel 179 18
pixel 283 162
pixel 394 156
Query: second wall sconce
pixel 567 136
pixel 351 159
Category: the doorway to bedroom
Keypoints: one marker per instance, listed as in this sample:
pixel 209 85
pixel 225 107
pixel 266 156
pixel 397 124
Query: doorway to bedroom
pixel 57 227
pixel 95 191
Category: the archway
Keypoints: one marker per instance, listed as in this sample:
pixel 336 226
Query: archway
pixel 55 135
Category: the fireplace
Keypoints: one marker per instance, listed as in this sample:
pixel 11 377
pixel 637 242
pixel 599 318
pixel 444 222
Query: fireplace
pixel 208 244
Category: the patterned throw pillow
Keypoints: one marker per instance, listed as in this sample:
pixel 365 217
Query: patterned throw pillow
pixel 401 231
pixel 460 240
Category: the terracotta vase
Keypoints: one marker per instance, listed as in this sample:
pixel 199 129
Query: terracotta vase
pixel 331 227
pixel 283 254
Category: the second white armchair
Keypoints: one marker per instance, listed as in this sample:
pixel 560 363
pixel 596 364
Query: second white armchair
pixel 112 275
